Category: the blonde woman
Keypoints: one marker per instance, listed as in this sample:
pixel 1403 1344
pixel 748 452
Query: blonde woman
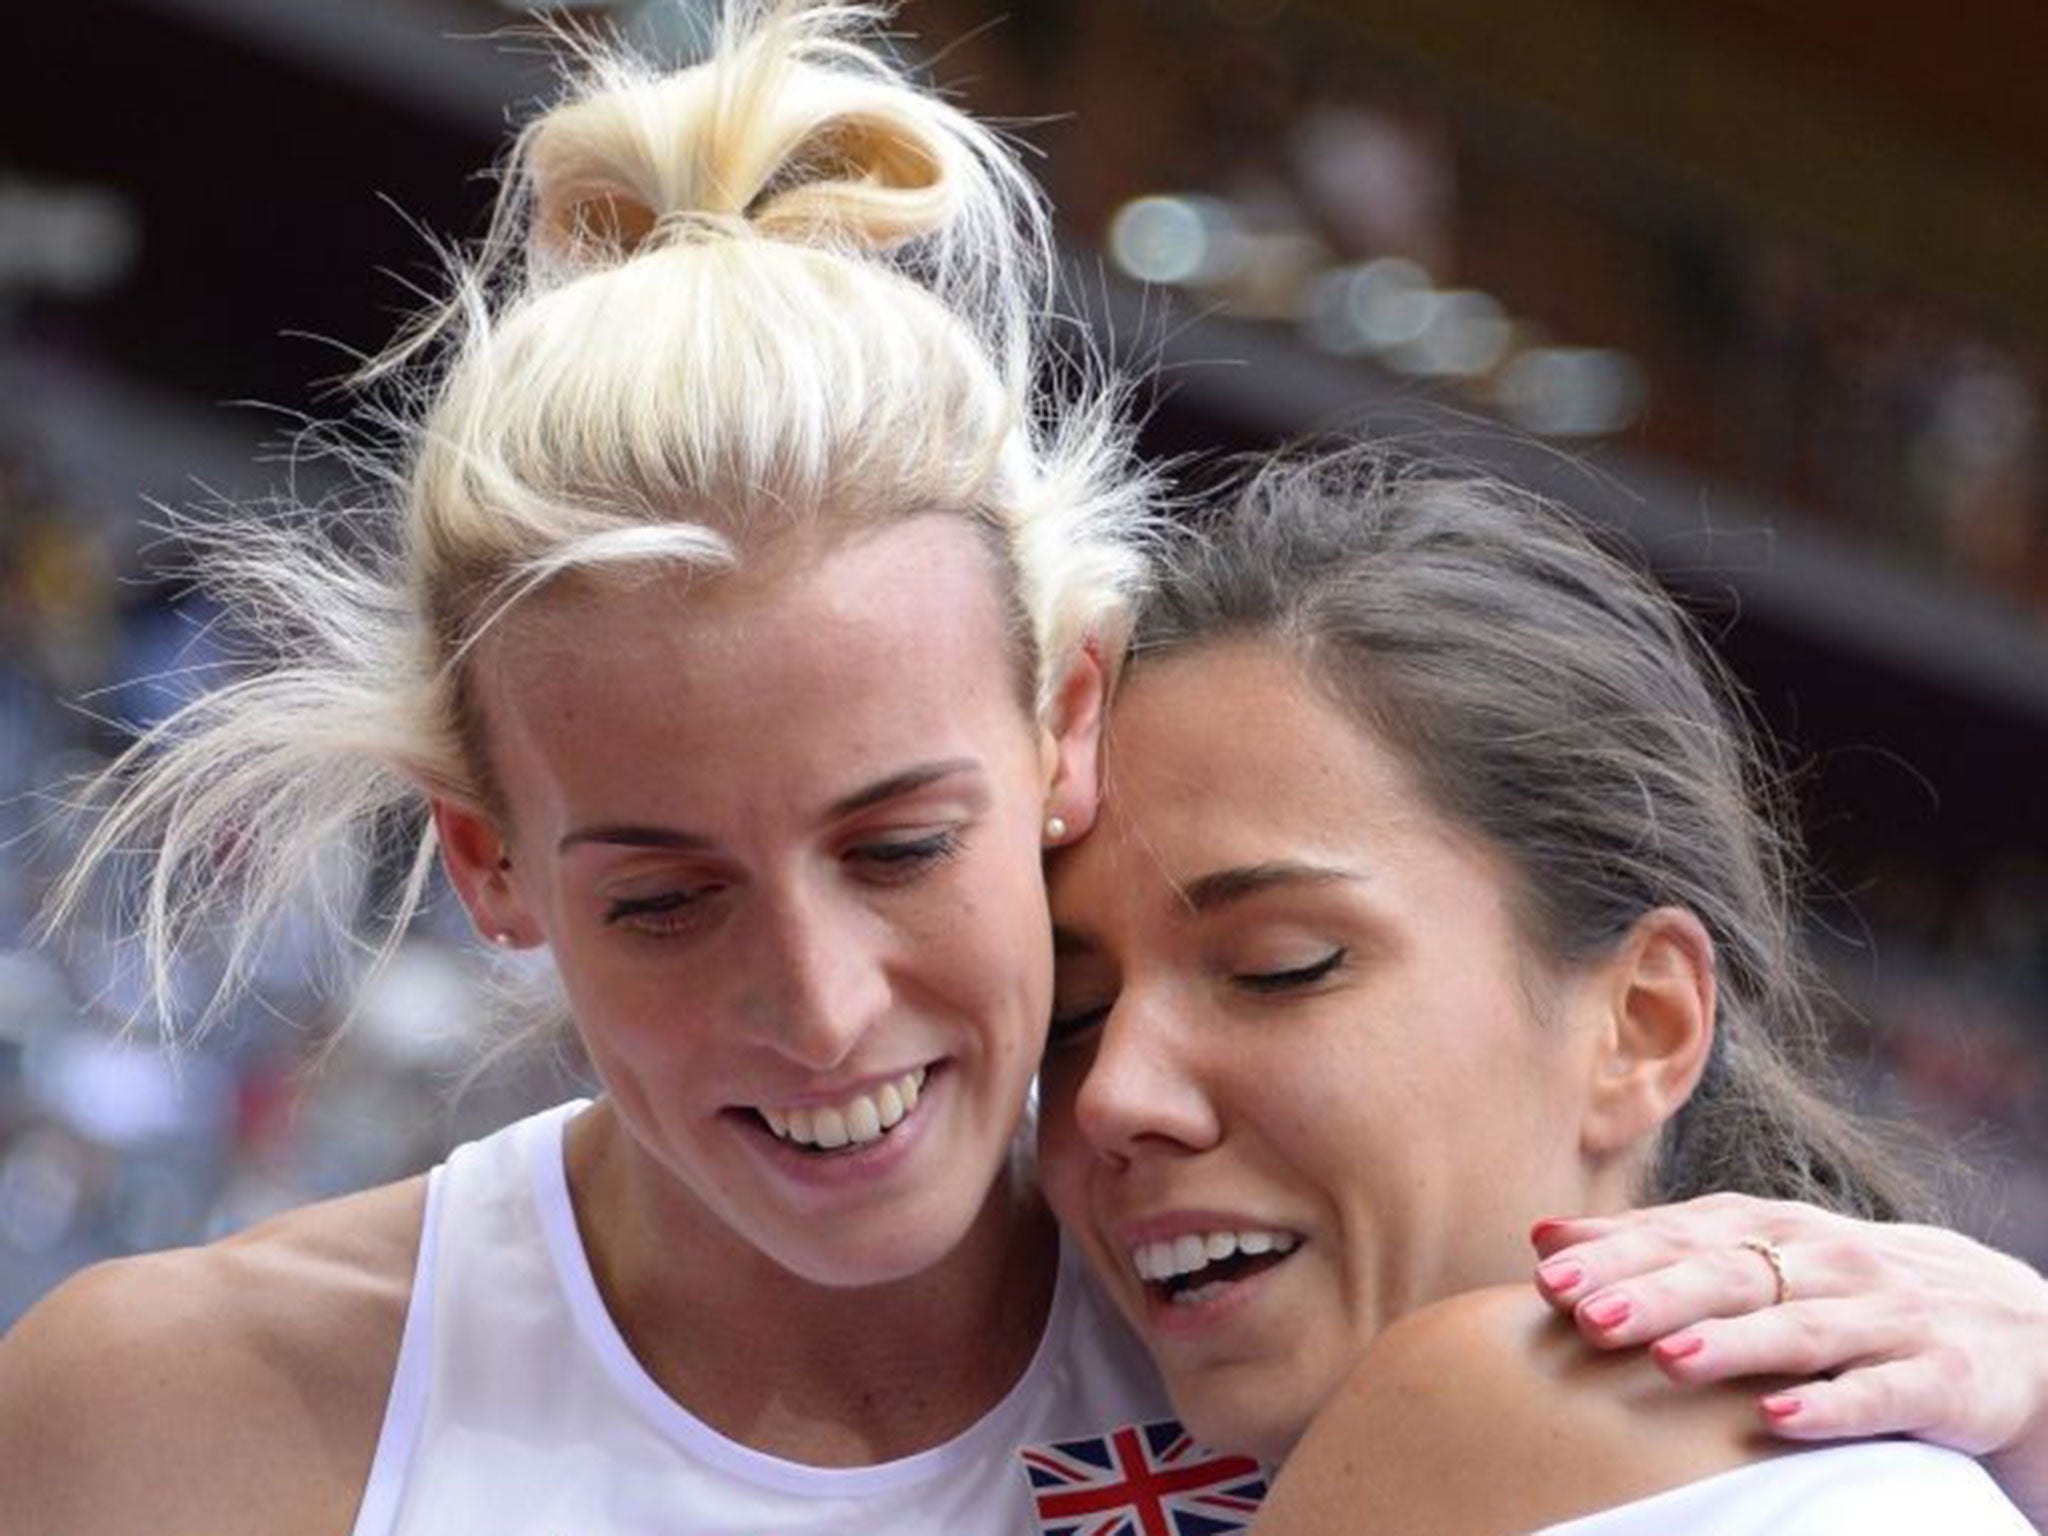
pixel 743 637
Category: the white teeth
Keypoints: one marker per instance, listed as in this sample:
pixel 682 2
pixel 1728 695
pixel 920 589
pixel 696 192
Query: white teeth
pixel 863 1120
pixel 856 1121
pixel 1169 1258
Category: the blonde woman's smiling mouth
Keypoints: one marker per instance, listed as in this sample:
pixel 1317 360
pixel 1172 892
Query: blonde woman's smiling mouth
pixel 854 1121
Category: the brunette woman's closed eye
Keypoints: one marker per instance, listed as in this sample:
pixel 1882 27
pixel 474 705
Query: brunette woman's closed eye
pixel 1075 1026
pixel 1293 978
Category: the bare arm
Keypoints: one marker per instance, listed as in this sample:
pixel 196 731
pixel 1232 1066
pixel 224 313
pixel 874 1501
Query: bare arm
pixel 235 1390
pixel 1484 1416
pixel 1890 1329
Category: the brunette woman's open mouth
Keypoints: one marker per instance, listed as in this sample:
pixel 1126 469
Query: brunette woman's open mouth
pixel 1201 1266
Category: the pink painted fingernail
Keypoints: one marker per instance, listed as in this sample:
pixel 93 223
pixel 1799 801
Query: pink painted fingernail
pixel 1680 1346
pixel 1546 1229
pixel 1607 1312
pixel 1561 1277
pixel 1780 1407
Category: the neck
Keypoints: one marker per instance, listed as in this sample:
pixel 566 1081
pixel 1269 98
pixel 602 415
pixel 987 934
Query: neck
pixel 829 1376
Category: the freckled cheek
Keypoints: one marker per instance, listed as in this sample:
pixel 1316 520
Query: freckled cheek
pixel 992 950
pixel 649 1026
pixel 1339 1138
pixel 1013 1003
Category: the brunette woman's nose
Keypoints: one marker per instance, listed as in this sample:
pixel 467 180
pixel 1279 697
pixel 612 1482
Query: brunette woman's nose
pixel 1144 1088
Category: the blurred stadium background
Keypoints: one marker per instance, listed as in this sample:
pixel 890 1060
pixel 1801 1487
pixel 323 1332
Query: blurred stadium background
pixel 1764 287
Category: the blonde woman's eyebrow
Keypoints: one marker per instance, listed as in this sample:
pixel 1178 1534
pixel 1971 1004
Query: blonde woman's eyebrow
pixel 897 785
pixel 627 836
pixel 893 787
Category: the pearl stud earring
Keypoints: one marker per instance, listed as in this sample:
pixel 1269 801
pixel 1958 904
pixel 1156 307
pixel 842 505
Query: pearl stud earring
pixel 1055 829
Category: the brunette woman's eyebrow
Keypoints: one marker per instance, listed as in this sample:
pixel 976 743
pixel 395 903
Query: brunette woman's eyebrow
pixel 1224 886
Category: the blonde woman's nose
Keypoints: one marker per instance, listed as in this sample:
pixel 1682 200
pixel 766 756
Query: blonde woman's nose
pixel 828 983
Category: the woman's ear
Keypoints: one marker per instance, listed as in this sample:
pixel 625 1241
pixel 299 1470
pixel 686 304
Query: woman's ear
pixel 1656 995
pixel 1071 746
pixel 479 863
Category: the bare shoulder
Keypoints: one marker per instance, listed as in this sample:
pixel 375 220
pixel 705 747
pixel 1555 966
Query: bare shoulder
pixel 233 1388
pixel 1485 1414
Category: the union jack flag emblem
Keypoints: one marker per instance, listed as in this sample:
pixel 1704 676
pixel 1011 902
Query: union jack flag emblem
pixel 1141 1480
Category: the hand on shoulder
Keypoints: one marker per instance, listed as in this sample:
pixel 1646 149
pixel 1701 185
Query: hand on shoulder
pixel 1890 1327
pixel 213 1391
pixel 1485 1413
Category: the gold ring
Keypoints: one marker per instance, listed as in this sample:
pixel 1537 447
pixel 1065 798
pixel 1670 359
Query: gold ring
pixel 1768 1251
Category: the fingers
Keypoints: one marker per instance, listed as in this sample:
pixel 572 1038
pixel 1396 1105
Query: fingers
pixel 1800 1338
pixel 1570 1274
pixel 1885 1329
pixel 1637 1276
pixel 1894 1397
pixel 1658 1234
pixel 1583 1253
pixel 1553 1233
pixel 1624 1292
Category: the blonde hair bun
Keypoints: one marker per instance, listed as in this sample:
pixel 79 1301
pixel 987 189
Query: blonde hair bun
pixel 790 131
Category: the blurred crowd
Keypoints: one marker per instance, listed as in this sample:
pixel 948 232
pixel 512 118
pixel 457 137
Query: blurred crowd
pixel 112 1138
pixel 1281 163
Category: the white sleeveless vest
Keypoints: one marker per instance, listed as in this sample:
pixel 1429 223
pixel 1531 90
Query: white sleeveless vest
pixel 517 1409
pixel 1877 1488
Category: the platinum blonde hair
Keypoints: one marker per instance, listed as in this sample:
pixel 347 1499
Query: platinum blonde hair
pixel 783 288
